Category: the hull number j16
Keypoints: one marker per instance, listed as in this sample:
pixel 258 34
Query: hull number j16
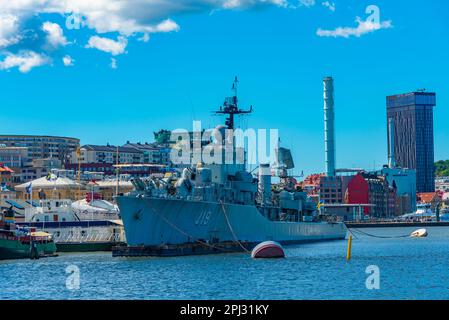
pixel 203 218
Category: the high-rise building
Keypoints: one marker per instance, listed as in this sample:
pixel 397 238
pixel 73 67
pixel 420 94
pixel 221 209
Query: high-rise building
pixel 410 116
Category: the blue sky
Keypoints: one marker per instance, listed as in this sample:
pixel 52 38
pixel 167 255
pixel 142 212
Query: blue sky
pixel 186 68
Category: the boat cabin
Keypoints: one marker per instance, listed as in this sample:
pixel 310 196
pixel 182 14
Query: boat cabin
pixel 51 210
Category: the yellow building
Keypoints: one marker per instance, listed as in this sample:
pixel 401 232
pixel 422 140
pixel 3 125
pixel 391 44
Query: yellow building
pixel 108 188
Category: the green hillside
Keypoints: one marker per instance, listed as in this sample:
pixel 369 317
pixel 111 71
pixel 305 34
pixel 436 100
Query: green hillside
pixel 442 168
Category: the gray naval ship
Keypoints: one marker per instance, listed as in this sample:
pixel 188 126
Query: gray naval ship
pixel 216 208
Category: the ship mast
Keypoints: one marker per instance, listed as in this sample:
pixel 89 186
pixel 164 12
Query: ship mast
pixel 230 107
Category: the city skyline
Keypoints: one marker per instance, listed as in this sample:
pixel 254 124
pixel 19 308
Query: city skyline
pixel 280 65
pixel 208 150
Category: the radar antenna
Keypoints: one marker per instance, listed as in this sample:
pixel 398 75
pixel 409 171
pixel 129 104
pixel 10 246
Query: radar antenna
pixel 230 107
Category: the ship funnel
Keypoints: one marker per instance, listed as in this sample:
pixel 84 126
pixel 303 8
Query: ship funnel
pixel 329 130
pixel 391 154
pixel 265 183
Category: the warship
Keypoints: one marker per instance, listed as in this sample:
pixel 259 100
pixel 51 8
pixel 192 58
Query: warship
pixel 218 208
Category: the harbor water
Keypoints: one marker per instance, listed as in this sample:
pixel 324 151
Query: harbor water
pixel 409 268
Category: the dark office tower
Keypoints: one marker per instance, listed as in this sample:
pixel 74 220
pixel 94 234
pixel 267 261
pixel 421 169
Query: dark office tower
pixel 411 118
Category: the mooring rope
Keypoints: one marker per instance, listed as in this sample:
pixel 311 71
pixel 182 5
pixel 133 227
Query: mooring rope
pixel 352 233
pixel 380 237
pixel 231 229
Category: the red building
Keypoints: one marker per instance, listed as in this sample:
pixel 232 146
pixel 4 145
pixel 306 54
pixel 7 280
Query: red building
pixel 365 188
pixel 358 192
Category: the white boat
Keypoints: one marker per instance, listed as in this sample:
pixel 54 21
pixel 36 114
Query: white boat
pixel 74 229
pixel 96 209
pixel 423 212
pixel 420 233
pixel 424 209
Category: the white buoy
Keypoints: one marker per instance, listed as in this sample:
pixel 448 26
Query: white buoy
pixel 420 233
pixel 268 250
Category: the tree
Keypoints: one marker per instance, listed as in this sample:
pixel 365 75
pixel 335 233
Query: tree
pixel 442 168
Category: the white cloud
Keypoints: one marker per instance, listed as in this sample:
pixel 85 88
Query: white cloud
pixel 166 26
pixel 124 18
pixel 24 61
pixel 363 27
pixel 234 4
pixel 9 26
pixel 145 37
pixel 68 61
pixel 307 3
pixel 114 63
pixel 128 17
pixel 329 5
pixel 108 45
pixel 55 35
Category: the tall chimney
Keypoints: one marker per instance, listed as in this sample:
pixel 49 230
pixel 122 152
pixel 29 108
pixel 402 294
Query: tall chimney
pixel 329 134
pixel 391 155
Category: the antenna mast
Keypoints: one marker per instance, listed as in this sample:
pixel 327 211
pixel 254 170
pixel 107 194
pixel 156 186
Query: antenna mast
pixel 230 107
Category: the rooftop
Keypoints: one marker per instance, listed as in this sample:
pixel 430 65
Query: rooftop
pixel 113 183
pixel 139 165
pixel 416 98
pixel 61 182
pixel 427 197
pixel 109 148
pixel 3 136
pixel 142 146
pixel 5 169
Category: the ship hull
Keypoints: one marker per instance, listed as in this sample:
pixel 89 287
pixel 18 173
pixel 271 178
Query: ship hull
pixel 155 222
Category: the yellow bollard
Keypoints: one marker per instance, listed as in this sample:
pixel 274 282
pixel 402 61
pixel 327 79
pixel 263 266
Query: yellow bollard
pixel 348 254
